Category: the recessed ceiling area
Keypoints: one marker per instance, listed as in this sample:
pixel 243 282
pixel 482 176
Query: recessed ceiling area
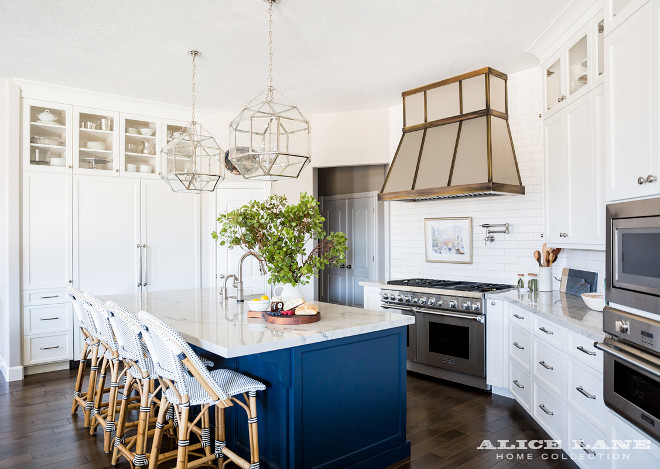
pixel 328 55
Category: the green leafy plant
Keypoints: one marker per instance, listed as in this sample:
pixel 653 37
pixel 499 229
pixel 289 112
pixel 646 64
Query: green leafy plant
pixel 277 233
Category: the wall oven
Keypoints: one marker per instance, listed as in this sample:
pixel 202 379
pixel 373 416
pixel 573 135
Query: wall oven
pixel 633 254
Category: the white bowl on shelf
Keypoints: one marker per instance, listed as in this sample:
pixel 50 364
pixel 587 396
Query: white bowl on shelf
pixel 259 305
pixel 131 168
pixel 47 117
pixel 145 168
pixel 147 131
pixel 96 145
pixel 132 131
pixel 595 301
pixel 57 162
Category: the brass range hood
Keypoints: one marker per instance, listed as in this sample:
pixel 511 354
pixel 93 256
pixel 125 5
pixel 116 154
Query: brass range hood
pixel 456 141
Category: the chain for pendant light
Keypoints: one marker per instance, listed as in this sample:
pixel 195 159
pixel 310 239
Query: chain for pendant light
pixel 270 50
pixel 194 55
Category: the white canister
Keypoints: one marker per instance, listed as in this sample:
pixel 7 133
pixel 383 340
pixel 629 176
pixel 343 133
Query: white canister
pixel 545 278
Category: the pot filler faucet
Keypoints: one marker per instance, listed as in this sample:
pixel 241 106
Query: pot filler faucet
pixel 238 281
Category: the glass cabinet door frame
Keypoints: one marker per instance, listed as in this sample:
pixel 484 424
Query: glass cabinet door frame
pixel 585 32
pixel 77 168
pixel 561 57
pixel 157 140
pixel 28 126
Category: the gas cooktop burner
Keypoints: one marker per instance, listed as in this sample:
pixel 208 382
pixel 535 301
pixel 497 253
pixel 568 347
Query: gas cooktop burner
pixel 457 285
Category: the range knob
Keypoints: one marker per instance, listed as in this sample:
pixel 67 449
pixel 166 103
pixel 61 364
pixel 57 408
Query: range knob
pixel 386 296
pixel 476 306
pixel 452 304
pixel 399 297
pixel 622 326
pixel 414 300
pixel 422 300
pixel 407 298
pixel 439 303
pixel 431 301
pixel 466 306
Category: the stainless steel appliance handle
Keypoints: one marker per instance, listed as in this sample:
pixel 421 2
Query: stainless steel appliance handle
pixel 478 318
pixel 402 308
pixel 586 394
pixel 139 246
pixel 627 357
pixel 144 268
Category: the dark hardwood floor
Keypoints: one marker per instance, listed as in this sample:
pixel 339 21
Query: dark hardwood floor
pixel 446 423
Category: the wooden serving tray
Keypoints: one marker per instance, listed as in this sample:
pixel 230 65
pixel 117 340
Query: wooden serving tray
pixel 291 320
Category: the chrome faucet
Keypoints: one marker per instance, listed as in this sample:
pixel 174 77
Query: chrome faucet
pixel 224 293
pixel 239 283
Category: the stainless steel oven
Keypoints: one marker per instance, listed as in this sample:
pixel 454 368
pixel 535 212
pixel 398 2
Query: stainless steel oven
pixel 631 369
pixel 633 254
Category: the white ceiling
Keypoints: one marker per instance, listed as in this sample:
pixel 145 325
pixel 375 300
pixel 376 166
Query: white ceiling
pixel 328 55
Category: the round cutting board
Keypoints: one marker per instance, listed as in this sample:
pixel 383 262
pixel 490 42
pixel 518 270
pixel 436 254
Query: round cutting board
pixel 291 320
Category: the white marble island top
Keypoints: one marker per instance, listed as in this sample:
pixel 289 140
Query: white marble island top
pixel 223 328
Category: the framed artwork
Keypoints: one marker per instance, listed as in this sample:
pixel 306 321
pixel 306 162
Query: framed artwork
pixel 448 240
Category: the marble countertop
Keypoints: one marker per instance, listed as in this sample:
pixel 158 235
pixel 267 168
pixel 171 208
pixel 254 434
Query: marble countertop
pixel 566 310
pixel 205 320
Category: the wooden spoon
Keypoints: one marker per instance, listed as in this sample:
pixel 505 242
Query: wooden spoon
pixel 556 252
pixel 544 250
pixel 553 258
pixel 537 256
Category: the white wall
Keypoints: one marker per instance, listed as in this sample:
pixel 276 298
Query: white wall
pixel 510 254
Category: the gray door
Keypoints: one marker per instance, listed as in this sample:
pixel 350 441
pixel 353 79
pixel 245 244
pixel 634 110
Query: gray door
pixel 360 260
pixel 333 284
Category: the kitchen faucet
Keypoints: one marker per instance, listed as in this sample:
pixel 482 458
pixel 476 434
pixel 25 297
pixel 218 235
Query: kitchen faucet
pixel 238 281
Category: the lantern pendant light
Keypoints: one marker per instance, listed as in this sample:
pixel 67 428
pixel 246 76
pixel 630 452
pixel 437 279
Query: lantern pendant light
pixel 191 161
pixel 269 140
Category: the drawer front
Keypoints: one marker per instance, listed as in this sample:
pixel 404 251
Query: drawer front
pixel 46 318
pixel 549 331
pixel 582 349
pixel 47 349
pixel 585 393
pixel 520 385
pixel 42 297
pixel 548 411
pixel 520 317
pixel 520 346
pixel 549 365
pixel 581 437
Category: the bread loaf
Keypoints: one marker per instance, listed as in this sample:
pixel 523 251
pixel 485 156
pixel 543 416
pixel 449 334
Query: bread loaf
pixel 292 303
pixel 307 309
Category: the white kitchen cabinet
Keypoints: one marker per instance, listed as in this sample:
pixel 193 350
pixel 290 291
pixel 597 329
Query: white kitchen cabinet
pixel 643 452
pixel 372 298
pixel 140 142
pixel 633 149
pixel 574 174
pixel 47 136
pixel 497 334
pixel 583 442
pixel 95 142
pixel 47 237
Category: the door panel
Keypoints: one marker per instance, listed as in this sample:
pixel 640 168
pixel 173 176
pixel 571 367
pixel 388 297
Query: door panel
pixel 227 259
pixel 106 234
pixel 170 229
pixel 333 279
pixel 557 184
pixel 361 245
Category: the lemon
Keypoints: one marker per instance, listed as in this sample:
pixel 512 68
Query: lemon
pixel 264 297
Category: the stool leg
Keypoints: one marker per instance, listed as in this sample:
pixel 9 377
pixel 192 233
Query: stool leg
pixel 112 406
pixel 98 395
pixel 90 388
pixel 182 443
pixel 252 424
pixel 219 434
pixel 80 378
pixel 206 431
pixel 140 458
pixel 122 417
pixel 158 434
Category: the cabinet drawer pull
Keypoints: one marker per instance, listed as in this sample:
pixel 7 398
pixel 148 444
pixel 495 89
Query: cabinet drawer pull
pixel 48 297
pixel 547 331
pixel 519 317
pixel 48 348
pixel 584 350
pixel 545 365
pixel 542 407
pixel 585 449
pixel 515 344
pixel 49 319
pixel 586 394
pixel 515 381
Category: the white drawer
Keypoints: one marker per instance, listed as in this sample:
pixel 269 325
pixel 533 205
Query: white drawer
pixel 581 437
pixel 520 346
pixel 549 331
pixel 520 385
pixel 520 317
pixel 42 297
pixel 548 411
pixel 549 365
pixel 47 318
pixel 46 349
pixel 585 393
pixel 582 349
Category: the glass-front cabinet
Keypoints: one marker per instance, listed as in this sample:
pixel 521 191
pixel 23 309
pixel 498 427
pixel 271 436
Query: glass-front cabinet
pixel 553 84
pixel 141 144
pixel 46 136
pixel 97 141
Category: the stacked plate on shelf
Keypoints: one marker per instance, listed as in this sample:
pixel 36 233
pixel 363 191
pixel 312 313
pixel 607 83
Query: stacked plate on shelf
pixel 95 145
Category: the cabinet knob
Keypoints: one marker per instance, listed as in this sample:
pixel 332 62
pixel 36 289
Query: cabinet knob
pixel 70 281
pixel 651 178
pixel 563 235
pixel 641 180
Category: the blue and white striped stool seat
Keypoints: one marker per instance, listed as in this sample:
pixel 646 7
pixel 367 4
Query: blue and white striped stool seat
pixel 230 381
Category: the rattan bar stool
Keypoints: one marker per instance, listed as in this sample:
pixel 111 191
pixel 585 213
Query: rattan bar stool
pixel 172 356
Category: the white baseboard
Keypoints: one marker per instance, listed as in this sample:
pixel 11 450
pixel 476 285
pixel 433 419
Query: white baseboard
pixel 35 369
pixel 14 373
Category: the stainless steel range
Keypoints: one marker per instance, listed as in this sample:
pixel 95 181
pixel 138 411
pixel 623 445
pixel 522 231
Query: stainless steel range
pixel 448 339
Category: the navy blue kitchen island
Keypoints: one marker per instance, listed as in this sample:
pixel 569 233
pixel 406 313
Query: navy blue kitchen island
pixel 336 389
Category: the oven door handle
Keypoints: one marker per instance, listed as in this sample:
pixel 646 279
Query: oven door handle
pixel 627 357
pixel 478 318
pixel 402 308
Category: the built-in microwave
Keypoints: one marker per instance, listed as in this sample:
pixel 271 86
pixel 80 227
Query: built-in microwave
pixel 633 254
